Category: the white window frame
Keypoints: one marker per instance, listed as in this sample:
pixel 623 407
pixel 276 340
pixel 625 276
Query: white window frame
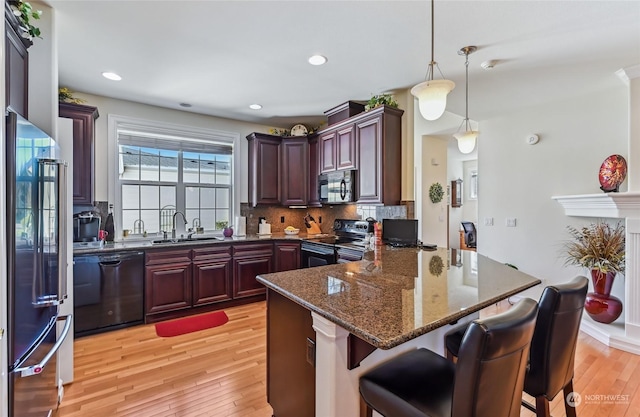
pixel 118 123
pixel 473 184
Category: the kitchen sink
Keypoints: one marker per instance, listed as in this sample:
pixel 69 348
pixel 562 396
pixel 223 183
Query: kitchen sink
pixel 182 240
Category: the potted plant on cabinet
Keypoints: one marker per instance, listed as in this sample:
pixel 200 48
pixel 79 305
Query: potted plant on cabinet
pixel 599 247
pixel 25 14
pixel 380 100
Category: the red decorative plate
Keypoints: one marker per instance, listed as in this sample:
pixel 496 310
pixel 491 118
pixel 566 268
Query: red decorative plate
pixel 613 171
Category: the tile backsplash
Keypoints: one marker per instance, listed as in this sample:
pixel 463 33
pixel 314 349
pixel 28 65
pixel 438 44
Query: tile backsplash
pixel 324 216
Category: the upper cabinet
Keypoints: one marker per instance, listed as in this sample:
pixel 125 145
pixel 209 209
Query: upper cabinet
pixel 378 146
pixel 264 169
pixel 295 172
pixel 371 143
pixel 16 65
pixel 83 149
pixel 278 170
pixel 338 148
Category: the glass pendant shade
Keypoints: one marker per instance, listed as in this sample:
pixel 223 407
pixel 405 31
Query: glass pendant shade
pixel 432 97
pixel 466 140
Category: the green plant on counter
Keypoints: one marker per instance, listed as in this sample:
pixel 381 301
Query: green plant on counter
pixel 436 192
pixel 24 12
pixel 379 100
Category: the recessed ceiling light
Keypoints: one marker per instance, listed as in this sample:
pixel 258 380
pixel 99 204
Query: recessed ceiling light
pixel 111 76
pixel 185 105
pixel 317 60
pixel 255 106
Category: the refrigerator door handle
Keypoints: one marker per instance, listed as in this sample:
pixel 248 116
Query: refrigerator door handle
pixel 38 368
pixel 62 233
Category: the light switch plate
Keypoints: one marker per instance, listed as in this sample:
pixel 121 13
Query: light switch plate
pixel 511 222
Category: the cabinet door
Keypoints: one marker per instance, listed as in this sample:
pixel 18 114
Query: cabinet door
pixel 295 172
pixel 369 135
pixel 264 169
pixel 16 72
pixel 287 256
pixel 168 287
pixel 346 147
pixel 212 281
pixel 313 199
pixel 244 275
pixel 83 149
pixel 328 152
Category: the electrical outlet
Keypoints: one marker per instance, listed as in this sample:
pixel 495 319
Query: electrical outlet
pixel 320 219
pixel 281 219
pixel 488 221
pixel 261 218
pixel 511 222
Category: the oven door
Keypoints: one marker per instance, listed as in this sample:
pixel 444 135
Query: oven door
pixel 317 254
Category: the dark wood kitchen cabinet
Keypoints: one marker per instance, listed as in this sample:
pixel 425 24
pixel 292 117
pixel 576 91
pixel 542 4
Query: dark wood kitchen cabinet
pixel 327 143
pixel 378 146
pixel 83 149
pixel 279 170
pixel 294 178
pixel 250 260
pixel 287 256
pixel 167 281
pixel 338 148
pixel 212 275
pixel 264 169
pixel 16 65
pixel 313 199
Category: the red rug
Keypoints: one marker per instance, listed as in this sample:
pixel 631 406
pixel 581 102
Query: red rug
pixel 191 324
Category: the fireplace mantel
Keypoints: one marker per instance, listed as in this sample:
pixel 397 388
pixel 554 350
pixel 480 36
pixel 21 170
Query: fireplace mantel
pixel 605 205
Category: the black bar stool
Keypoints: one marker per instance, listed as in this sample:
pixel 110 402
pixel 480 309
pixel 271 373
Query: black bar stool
pixel 421 383
pixel 553 346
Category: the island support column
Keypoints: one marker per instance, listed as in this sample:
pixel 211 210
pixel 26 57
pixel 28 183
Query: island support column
pixel 336 395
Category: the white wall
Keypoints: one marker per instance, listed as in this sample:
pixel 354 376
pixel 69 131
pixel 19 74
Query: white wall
pixel 518 180
pixel 108 106
pixel 433 219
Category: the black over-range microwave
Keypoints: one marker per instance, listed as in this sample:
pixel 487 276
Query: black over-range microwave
pixel 337 187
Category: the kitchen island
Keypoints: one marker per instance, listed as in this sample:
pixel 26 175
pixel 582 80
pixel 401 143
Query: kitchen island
pixel 328 325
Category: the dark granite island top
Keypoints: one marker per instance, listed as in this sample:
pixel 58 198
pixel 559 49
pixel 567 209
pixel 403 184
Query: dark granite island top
pixel 396 295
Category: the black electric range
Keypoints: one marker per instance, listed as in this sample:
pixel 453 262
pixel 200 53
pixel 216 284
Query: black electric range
pixel 347 243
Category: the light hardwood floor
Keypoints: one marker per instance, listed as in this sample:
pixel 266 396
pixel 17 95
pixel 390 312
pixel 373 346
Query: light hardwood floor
pixel 222 372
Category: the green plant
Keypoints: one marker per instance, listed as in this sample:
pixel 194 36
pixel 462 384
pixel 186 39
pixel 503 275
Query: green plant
pixel 379 100
pixel 221 225
pixel 597 246
pixel 436 192
pixel 66 96
pixel 280 132
pixel 25 12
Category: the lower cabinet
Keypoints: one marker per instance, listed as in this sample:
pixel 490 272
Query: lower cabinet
pixel 287 256
pixel 185 281
pixel 250 260
pixel 167 281
pixel 212 275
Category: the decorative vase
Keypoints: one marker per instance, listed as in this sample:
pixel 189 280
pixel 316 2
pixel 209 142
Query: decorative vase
pixel 227 231
pixel 601 306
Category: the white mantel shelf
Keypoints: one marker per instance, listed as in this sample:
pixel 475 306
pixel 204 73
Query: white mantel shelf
pixel 606 205
pixel 625 333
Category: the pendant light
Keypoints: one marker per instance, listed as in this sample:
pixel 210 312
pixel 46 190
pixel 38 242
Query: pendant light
pixel 466 139
pixel 432 94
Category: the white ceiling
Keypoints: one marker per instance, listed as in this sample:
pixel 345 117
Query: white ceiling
pixel 221 56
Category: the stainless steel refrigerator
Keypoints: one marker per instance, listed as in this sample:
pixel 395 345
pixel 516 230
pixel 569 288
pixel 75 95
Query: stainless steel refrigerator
pixel 37 265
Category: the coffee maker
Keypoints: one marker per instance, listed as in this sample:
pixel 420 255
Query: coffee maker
pixel 86 226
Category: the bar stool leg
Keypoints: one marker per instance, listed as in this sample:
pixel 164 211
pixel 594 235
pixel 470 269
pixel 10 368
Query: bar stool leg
pixel 365 410
pixel 569 410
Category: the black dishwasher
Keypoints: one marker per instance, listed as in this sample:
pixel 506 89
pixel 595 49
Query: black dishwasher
pixel 108 291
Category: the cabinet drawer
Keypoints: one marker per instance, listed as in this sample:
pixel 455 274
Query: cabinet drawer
pixel 252 249
pixel 168 256
pixel 212 252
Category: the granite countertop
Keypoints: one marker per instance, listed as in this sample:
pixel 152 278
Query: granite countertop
pixel 139 244
pixel 395 295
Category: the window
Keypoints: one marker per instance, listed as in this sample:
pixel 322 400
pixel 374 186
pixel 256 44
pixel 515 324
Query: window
pixel 473 186
pixel 161 172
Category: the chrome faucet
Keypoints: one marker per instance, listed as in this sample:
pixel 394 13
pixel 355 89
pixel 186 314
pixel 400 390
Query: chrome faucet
pixel 173 228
